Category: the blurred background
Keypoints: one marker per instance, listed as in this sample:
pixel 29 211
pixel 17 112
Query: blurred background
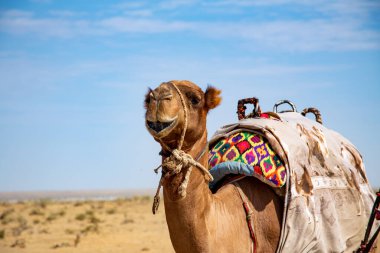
pixel 73 75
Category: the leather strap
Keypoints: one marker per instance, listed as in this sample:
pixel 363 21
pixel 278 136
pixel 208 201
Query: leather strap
pixel 249 214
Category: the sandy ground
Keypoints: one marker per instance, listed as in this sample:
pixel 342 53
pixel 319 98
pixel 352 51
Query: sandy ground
pixel 122 225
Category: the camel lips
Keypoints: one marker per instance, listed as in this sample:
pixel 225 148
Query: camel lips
pixel 158 126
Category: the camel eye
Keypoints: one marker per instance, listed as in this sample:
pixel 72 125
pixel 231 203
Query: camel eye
pixel 193 98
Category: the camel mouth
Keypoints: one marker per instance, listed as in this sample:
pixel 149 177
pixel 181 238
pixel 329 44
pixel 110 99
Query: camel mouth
pixel 160 128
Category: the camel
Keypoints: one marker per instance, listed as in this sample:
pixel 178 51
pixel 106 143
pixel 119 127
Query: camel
pixel 328 196
pixel 200 221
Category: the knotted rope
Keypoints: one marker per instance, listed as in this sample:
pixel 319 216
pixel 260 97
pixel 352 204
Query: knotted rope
pixel 178 160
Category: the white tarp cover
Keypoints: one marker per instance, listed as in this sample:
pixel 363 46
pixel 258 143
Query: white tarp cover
pixel 328 199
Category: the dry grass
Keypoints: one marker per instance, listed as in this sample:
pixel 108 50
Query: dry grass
pixel 122 225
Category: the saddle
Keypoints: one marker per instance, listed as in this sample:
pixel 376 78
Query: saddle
pixel 328 198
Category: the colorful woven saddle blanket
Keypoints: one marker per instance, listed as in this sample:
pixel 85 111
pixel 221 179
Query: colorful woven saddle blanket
pixel 249 154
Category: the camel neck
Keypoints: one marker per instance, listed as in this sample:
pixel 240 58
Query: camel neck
pixel 197 151
pixel 182 214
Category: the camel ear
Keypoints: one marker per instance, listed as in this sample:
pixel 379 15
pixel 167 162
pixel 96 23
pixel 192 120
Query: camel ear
pixel 147 98
pixel 212 97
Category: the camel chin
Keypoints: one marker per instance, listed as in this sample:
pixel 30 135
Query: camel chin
pixel 161 129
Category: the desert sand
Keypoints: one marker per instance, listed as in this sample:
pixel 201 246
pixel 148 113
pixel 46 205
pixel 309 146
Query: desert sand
pixel 124 225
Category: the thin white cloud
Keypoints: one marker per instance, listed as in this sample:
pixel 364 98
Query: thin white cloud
pixel 66 13
pixel 339 30
pixel 323 4
pixel 130 5
pixel 13 13
pixel 134 9
pixel 122 24
pixel 306 36
pixel 19 22
pixel 246 3
pixel 174 4
pixel 38 74
pixel 41 1
pixel 139 13
pixel 346 9
pixel 258 70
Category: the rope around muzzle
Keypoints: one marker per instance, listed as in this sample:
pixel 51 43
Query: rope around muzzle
pixel 177 161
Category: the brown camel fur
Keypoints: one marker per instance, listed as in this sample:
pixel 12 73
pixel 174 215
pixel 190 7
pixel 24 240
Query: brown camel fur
pixel 203 221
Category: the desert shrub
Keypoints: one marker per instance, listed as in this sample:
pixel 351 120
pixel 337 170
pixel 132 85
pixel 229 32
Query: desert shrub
pixel 23 225
pixel 17 231
pixel 90 228
pixel 127 220
pixel 121 201
pixel 94 220
pixel 2 234
pixel 20 243
pixel 22 221
pixel 6 213
pixel 43 203
pixel 6 216
pixel 44 231
pixel 61 245
pixel 100 205
pixel 69 231
pixel 111 211
pixel 7 220
pixel 36 211
pixel 89 216
pixel 77 240
pixel 52 217
pixel 80 217
pixel 145 198
pixel 78 203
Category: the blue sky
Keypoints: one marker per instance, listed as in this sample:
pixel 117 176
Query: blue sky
pixel 74 73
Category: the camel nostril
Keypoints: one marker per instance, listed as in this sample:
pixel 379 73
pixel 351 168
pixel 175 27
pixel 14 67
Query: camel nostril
pixel 158 126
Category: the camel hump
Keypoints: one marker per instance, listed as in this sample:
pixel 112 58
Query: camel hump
pixel 328 198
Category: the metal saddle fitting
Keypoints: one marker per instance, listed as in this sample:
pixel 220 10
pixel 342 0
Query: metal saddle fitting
pixel 256 112
pixel 315 111
pixel 241 108
pixel 294 108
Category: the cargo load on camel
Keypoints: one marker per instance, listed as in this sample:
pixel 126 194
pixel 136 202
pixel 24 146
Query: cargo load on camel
pixel 327 196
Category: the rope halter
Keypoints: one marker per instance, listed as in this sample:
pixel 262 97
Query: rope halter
pixel 178 160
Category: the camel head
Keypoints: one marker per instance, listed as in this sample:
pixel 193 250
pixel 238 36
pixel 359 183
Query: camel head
pixel 165 115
